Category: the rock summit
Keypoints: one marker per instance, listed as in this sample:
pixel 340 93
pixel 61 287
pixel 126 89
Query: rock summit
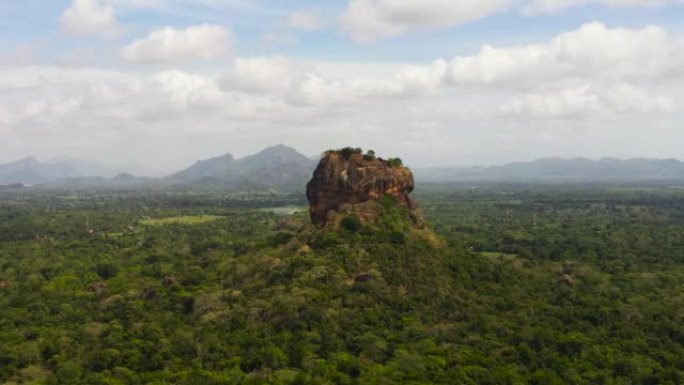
pixel 348 177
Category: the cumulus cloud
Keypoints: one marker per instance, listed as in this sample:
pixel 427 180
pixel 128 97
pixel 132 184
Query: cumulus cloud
pixel 592 51
pixel 304 20
pixel 587 101
pixel 203 42
pixel 376 19
pixel 549 6
pixel 301 84
pixel 268 75
pixel 90 17
pixel 273 38
pixel 591 70
pixel 408 82
pixel 369 20
pixel 579 77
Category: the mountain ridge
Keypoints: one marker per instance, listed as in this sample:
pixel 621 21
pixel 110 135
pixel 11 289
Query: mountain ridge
pixel 277 167
pixel 283 168
pixel 562 170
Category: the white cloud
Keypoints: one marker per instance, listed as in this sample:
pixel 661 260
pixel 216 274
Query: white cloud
pixel 591 52
pixel 90 17
pixel 304 20
pixel 203 42
pixel 273 38
pixel 592 70
pixel 406 83
pixel 587 101
pixel 376 19
pixel 548 6
pixel 369 20
pixel 301 84
pixel 591 78
pixel 154 4
pixel 270 75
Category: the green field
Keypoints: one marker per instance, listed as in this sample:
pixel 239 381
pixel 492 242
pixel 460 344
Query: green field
pixel 497 255
pixel 184 220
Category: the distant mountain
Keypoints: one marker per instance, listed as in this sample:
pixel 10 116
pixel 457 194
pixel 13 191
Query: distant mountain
pixel 14 186
pixel 282 168
pixel 85 167
pixel 279 167
pixel 559 170
pixel 30 171
pixel 120 181
pixel 205 168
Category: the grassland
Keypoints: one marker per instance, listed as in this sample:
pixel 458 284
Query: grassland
pixel 184 220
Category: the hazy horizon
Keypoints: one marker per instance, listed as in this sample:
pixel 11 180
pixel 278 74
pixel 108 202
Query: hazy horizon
pixel 159 84
pixel 141 170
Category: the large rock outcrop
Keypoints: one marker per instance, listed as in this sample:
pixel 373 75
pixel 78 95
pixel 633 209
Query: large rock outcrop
pixel 349 179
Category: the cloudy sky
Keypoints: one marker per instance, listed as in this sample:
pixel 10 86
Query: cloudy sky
pixel 162 83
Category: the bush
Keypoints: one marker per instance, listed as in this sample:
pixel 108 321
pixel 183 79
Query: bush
pixel 397 237
pixel 347 152
pixel 351 223
pixel 280 238
pixel 106 270
pixel 395 162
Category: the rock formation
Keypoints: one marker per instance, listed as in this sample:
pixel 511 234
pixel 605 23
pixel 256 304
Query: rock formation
pixel 347 177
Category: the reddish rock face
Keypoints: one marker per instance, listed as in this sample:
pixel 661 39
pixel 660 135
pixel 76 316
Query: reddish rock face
pixel 353 180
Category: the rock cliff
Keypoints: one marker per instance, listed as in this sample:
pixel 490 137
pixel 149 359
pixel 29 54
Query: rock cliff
pixel 345 178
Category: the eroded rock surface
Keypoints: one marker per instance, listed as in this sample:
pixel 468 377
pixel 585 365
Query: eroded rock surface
pixel 353 179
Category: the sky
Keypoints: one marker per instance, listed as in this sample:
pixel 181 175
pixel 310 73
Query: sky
pixel 151 86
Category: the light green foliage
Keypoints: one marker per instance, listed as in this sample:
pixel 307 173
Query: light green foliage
pixel 184 220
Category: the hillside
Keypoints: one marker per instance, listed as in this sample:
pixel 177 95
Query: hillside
pixel 278 167
pixel 205 168
pixel 30 171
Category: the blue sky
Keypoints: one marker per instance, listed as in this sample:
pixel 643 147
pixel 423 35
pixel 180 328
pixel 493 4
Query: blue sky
pixel 438 82
pixel 37 22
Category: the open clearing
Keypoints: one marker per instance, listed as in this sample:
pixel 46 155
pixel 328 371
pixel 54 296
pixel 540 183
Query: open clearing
pixel 184 220
pixel 497 255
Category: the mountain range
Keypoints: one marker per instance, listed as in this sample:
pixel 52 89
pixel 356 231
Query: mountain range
pixel 282 168
pixel 29 171
pixel 279 168
pixel 560 171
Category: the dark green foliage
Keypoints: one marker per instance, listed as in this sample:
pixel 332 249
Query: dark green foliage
pixel 347 152
pixel 351 223
pixel 258 298
pixel 106 270
pixel 281 238
pixel 370 155
pixel 395 162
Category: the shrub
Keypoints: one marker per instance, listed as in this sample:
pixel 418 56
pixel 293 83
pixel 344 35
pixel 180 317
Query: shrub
pixel 351 223
pixel 106 270
pixel 347 152
pixel 397 237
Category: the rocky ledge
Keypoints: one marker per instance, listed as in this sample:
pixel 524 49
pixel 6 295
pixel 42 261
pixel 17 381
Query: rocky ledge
pixel 348 177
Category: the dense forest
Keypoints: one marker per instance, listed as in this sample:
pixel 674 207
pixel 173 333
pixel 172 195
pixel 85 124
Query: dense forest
pixel 517 285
